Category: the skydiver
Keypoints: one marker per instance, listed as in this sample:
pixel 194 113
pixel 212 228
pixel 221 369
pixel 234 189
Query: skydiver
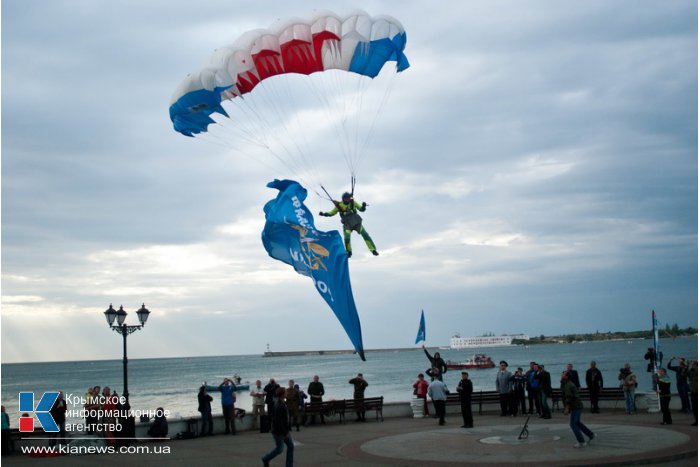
pixel 351 220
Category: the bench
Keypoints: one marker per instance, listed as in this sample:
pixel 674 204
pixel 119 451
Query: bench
pixel 340 407
pixel 366 404
pixel 606 394
pixel 478 397
pixel 325 409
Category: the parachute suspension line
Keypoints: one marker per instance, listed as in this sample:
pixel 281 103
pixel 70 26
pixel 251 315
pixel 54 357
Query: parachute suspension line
pixel 326 89
pixel 305 153
pixel 216 139
pixel 266 129
pixel 270 97
pixel 248 132
pixel 370 133
pixel 361 89
pixel 283 93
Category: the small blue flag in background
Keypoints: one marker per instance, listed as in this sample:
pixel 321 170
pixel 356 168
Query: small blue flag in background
pixel 421 328
pixel 291 237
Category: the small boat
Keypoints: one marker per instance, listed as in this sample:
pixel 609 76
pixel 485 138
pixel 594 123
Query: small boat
pixel 477 361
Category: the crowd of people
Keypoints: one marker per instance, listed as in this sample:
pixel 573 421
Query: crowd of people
pixel 535 386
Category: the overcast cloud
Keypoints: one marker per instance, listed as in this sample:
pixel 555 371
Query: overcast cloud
pixel 534 171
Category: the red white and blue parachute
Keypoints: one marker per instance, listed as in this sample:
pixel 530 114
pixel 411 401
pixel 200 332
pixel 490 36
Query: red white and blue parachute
pixel 356 43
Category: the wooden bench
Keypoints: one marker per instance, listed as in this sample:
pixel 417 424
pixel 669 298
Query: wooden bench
pixel 366 404
pixel 325 409
pixel 606 394
pixel 478 397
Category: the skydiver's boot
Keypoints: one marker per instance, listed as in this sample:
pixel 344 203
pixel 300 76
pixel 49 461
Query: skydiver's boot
pixel 349 254
pixel 375 252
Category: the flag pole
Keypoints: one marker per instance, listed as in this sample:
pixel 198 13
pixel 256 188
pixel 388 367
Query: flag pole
pixel 655 407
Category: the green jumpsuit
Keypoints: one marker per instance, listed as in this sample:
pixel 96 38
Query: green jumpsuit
pixel 351 221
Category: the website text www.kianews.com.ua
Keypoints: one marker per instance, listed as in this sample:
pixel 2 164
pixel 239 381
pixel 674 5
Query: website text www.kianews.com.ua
pixel 81 450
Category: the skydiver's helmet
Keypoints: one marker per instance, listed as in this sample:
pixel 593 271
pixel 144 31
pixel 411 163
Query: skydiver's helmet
pixel 347 197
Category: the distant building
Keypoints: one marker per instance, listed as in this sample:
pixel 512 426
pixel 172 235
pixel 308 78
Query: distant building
pixel 458 342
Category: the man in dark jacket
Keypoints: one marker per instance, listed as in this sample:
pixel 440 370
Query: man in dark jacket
pixel 594 382
pixel 573 375
pixel 573 406
pixel 270 391
pixel 58 412
pixel 204 407
pixel 316 393
pixel 435 362
pixel 280 431
pixel 545 383
pixel 682 373
pixel 465 389
pixel 359 395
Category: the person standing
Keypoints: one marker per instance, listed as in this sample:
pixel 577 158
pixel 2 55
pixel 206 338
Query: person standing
pixel 573 407
pixel 437 390
pixel 359 395
pixel 204 407
pixel 316 392
pixel 629 386
pixel 545 381
pixel 280 430
pixel 594 382
pixel 694 389
pixel 573 375
pixel 258 396
pixel 438 367
pixel 682 374
pixel 292 401
pixel 228 398
pixel 663 384
pixel 503 386
pixel 465 388
pixel 624 372
pixel 651 356
pixel 518 382
pixel 58 412
pixel 533 393
pixel 6 433
pixel 270 391
pixel 420 389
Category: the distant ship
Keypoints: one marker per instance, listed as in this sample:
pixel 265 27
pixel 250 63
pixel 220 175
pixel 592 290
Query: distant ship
pixel 477 361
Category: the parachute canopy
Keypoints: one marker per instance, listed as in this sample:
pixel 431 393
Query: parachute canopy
pixel 290 236
pixel 355 43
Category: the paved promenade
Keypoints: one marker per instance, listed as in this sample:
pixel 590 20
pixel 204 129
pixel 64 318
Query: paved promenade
pixel 621 440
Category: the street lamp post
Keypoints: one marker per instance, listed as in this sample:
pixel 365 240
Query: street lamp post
pixel 122 328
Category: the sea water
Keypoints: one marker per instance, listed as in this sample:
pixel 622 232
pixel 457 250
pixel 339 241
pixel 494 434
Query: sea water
pixel 172 383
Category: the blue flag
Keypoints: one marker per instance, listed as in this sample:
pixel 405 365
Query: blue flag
pixel 421 328
pixel 291 237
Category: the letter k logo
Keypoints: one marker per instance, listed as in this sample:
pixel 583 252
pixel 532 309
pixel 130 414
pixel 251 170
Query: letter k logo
pixel 26 404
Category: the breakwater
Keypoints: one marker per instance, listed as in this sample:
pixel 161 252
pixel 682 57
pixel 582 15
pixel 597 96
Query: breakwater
pixel 315 353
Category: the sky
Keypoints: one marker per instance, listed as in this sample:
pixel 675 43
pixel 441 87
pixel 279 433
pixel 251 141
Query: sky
pixel 534 171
